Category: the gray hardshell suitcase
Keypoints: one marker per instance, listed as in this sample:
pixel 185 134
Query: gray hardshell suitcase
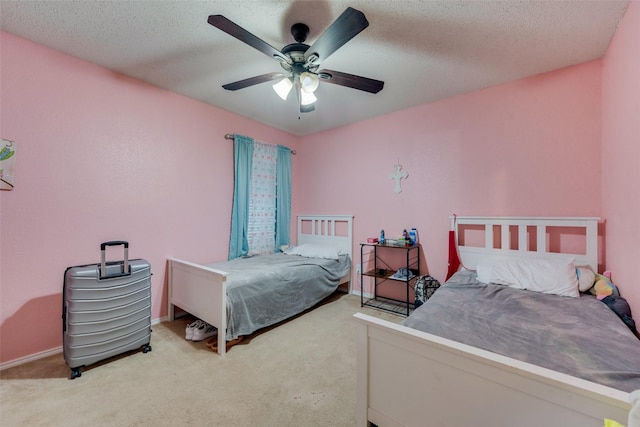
pixel 106 309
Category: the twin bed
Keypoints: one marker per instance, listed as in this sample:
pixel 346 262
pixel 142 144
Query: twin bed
pixel 243 295
pixel 481 354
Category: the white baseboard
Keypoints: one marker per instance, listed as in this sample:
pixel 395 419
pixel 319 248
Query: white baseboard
pixel 30 358
pixel 365 295
pixel 160 320
pixel 51 352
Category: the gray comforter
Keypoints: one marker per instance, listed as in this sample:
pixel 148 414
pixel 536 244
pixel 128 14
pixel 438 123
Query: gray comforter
pixel 264 290
pixel 577 336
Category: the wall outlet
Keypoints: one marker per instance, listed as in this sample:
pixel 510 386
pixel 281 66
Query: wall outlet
pixel 358 268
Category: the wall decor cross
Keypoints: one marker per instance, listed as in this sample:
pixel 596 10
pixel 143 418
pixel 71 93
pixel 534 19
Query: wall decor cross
pixel 397 176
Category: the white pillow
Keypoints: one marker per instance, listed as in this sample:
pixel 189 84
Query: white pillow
pixel 586 278
pixel 534 274
pixel 314 250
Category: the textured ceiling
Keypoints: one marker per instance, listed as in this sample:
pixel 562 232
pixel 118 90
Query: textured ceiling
pixel 423 50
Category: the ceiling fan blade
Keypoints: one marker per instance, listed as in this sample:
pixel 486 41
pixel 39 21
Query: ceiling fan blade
pixel 245 36
pixel 350 80
pixel 241 84
pixel 343 29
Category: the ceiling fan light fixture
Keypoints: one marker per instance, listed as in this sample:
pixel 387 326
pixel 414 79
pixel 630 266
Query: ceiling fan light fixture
pixel 309 82
pixel 283 87
pixel 307 98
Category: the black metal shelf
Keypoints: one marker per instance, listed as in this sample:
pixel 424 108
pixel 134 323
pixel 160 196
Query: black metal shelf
pixel 382 272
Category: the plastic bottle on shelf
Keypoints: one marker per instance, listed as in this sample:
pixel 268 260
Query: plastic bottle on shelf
pixel 413 236
pixel 381 241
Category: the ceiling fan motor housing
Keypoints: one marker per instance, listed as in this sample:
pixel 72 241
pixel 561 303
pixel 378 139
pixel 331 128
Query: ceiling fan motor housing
pixel 296 51
pixel 299 32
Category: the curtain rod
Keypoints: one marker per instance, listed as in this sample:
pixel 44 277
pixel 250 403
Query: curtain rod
pixel 229 136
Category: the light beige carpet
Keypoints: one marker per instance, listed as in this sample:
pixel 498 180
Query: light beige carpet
pixel 299 373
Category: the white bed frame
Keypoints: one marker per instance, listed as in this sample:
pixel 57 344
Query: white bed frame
pixel 202 291
pixel 406 377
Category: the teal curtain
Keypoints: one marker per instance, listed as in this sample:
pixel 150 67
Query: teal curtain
pixel 283 197
pixel 243 157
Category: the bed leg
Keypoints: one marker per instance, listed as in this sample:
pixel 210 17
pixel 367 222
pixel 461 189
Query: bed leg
pixel 222 343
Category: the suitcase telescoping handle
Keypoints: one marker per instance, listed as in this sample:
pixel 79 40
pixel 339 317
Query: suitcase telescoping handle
pixel 103 260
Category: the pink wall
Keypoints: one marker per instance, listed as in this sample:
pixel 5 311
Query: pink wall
pixel 103 157
pixel 621 155
pixel 530 147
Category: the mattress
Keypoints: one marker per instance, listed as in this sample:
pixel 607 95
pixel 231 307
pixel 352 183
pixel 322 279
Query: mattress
pixel 581 336
pixel 264 290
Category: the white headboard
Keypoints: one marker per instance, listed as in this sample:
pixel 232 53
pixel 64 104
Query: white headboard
pixel 470 256
pixel 323 230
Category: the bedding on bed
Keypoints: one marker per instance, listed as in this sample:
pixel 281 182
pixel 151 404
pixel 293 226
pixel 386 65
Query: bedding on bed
pixel 581 336
pixel 264 290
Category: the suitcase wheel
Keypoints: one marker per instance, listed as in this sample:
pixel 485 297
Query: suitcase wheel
pixel 75 373
pixel 146 348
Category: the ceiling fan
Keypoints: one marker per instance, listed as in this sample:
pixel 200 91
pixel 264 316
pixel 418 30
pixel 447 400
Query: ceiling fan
pixel 301 61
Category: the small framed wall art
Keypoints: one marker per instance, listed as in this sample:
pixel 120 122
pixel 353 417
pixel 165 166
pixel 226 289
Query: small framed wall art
pixel 7 164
